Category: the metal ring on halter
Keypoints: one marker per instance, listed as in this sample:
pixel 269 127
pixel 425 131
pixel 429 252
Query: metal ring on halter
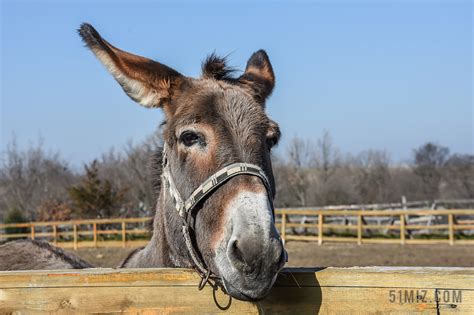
pixel 204 280
pixel 222 308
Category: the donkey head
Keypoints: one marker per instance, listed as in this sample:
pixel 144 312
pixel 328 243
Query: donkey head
pixel 211 122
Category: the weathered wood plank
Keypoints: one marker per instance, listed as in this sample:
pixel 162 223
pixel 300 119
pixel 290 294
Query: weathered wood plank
pixel 297 291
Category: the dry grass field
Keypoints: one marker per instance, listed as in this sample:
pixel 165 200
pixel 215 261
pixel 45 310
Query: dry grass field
pixel 309 254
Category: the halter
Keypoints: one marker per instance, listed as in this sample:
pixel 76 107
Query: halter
pixel 185 207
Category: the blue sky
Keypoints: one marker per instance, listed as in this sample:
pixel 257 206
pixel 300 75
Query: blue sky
pixel 375 74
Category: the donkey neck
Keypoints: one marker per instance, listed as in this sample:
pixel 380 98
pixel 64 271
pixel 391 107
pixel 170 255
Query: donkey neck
pixel 166 247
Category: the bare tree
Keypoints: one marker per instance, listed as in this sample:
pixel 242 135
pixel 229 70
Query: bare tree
pixel 300 156
pixel 372 178
pixel 30 176
pixel 326 157
pixel 326 165
pixel 135 169
pixel 405 183
pixel 458 176
pixel 429 159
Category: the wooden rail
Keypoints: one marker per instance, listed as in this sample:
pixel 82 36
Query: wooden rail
pixel 368 290
pixel 453 227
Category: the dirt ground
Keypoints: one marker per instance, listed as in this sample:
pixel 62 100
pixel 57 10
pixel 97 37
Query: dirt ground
pixel 308 254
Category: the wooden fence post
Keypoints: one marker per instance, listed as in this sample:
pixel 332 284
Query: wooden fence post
pixel 451 229
pixel 283 226
pixel 124 235
pixel 32 231
pixel 404 207
pixel 320 229
pixel 402 229
pixel 75 236
pixel 359 228
pixel 55 234
pixel 94 234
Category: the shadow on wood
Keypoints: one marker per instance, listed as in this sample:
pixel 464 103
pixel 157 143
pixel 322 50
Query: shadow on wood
pixel 287 296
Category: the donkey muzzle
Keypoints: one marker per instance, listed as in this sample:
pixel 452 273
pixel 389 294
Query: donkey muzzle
pixel 252 254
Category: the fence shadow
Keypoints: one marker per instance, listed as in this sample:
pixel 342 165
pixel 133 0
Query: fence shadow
pixel 296 291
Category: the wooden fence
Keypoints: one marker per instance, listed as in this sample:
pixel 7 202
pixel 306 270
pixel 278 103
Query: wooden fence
pixel 378 226
pixel 120 232
pixel 367 290
pixel 358 226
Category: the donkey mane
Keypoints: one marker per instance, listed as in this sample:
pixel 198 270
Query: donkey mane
pixel 156 169
pixel 216 67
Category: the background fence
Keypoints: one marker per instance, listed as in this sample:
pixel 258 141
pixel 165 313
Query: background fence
pixel 454 226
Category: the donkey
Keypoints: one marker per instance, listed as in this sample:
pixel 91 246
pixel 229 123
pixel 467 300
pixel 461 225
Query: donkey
pixel 217 143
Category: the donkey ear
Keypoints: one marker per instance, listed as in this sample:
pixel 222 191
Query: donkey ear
pixel 258 76
pixel 147 82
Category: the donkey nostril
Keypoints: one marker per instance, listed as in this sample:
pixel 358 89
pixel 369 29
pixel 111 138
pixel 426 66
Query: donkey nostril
pixel 236 252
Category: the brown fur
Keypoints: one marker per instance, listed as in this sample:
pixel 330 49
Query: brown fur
pixel 37 255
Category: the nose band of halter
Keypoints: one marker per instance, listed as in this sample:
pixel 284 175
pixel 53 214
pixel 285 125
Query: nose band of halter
pixel 212 183
pixel 186 207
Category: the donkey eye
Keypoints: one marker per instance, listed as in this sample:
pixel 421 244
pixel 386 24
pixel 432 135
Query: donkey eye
pixel 190 138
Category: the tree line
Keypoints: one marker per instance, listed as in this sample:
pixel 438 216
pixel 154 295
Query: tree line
pixel 37 185
pixel 318 174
